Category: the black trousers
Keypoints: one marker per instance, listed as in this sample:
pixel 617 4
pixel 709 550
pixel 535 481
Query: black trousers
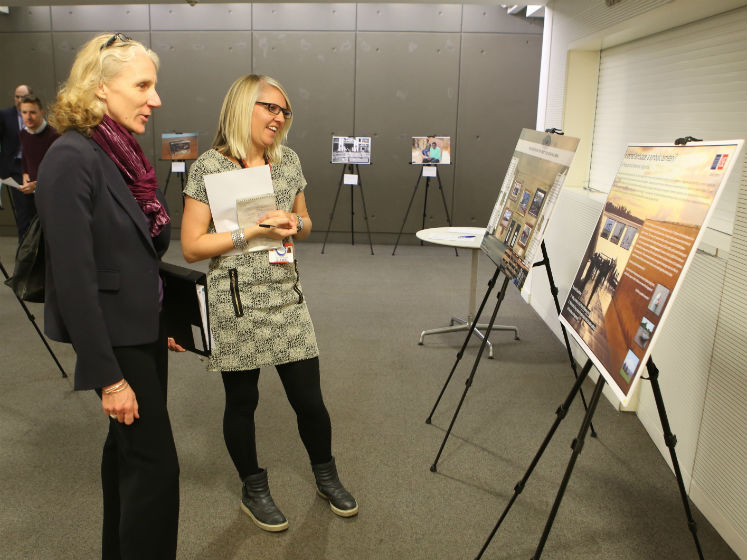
pixel 139 467
pixel 302 387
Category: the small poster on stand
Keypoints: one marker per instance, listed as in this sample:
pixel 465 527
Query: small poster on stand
pixel 644 241
pixel 528 194
pixel 179 146
pixel 351 150
pixel 431 150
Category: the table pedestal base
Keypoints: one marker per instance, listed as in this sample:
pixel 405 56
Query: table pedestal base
pixel 463 325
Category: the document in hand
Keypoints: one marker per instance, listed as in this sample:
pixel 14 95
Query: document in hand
pixel 184 307
pixel 11 182
pixel 241 195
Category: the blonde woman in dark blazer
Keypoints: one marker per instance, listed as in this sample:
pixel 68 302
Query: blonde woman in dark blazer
pixel 105 230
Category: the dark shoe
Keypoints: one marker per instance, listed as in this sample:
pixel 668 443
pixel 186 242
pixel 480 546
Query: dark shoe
pixel 258 504
pixel 329 486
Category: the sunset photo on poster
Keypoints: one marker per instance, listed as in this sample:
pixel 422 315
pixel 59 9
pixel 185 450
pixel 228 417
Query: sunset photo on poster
pixel 639 251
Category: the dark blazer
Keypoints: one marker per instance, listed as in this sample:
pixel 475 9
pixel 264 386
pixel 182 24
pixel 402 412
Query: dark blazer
pixel 9 143
pixel 102 287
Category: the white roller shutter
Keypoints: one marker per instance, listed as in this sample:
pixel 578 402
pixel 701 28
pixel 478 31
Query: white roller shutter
pixel 690 80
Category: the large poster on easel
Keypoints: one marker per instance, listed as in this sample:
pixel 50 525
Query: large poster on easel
pixel 644 241
pixel 525 202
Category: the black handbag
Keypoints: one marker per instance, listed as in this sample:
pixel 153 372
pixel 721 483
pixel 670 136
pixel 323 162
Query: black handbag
pixel 27 281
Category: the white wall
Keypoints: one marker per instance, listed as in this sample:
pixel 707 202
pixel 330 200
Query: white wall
pixel 701 354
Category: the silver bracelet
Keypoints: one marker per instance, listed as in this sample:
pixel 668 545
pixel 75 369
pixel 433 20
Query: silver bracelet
pixel 239 241
pixel 299 219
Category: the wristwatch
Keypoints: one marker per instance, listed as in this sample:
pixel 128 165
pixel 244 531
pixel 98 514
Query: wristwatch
pixel 299 219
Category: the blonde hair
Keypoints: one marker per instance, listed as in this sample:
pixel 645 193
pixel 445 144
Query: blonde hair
pixel 78 107
pixel 234 135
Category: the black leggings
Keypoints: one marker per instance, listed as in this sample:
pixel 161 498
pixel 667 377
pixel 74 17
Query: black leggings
pixel 301 383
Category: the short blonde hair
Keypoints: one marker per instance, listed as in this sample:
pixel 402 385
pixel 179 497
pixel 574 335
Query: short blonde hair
pixel 78 107
pixel 234 135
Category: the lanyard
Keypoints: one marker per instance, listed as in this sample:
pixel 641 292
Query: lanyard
pixel 243 164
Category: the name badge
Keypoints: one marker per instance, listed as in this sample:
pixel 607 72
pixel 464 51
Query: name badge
pixel 282 255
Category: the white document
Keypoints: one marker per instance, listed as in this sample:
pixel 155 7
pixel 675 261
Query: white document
pixel 225 189
pixel 11 182
pixel 429 171
pixel 178 167
pixel 350 179
pixel 202 298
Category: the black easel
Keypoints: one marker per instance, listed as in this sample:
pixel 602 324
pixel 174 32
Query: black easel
pixel 499 299
pixel 354 170
pixel 425 204
pixel 554 291
pixel 33 322
pixel 669 438
pixel 180 173
pixel 578 444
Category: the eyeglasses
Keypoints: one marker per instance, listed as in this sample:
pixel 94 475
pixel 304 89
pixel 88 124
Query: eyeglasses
pixel 276 109
pixel 113 39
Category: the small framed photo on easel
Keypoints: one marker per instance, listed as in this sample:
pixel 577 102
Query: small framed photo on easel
pixel 179 146
pixel 431 150
pixel 354 150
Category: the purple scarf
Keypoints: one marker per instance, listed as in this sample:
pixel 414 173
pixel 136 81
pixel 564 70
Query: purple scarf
pixel 137 171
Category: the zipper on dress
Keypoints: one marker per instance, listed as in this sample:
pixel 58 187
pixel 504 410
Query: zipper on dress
pixel 295 284
pixel 233 276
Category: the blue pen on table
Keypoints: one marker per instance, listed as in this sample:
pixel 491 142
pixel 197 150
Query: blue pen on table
pixel 463 236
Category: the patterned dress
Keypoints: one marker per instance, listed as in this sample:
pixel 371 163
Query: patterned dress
pixel 258 316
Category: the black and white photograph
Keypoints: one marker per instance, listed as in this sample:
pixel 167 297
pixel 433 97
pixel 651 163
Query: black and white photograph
pixel 536 205
pixel 351 149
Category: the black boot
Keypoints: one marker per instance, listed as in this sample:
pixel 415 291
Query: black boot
pixel 329 486
pixel 258 504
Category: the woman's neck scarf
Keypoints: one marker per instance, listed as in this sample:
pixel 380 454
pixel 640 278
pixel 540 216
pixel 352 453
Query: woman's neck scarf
pixel 137 171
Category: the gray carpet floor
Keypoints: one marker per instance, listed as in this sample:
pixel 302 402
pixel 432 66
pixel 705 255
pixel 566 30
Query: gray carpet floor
pixel 379 385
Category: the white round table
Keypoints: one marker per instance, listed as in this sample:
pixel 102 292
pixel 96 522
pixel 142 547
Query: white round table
pixel 463 238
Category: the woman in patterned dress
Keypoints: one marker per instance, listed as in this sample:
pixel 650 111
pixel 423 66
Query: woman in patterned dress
pixel 258 316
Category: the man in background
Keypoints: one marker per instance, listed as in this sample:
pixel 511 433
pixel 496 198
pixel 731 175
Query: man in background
pixel 36 138
pixel 11 124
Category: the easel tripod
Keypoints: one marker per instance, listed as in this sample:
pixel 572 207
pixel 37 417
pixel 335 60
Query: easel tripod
pixel 578 444
pixel 172 172
pixel 36 327
pixel 353 170
pixel 425 204
pixel 501 294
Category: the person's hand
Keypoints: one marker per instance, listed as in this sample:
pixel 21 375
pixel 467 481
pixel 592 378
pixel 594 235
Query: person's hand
pixel 120 406
pixel 28 187
pixel 285 224
pixel 280 218
pixel 173 346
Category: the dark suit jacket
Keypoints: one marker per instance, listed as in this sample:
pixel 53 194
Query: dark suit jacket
pixel 9 144
pixel 102 287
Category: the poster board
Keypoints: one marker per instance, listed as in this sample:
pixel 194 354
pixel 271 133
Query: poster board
pixel 431 150
pixel 645 239
pixel 179 145
pixel 528 194
pixel 351 150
